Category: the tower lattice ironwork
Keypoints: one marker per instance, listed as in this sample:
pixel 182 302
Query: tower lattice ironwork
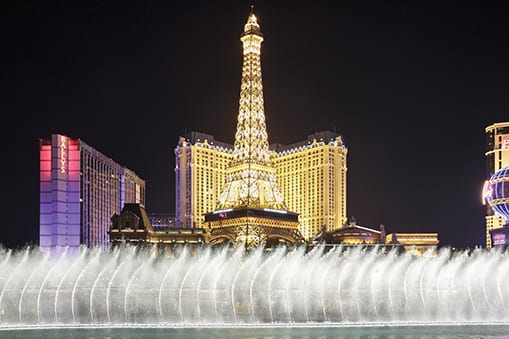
pixel 251 208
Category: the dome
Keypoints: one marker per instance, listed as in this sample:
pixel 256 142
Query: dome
pixel 496 192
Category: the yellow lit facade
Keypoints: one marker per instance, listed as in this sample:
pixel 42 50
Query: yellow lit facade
pixel 497 156
pixel 200 173
pixel 311 175
pixel 312 178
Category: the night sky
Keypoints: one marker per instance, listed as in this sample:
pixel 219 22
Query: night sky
pixel 410 86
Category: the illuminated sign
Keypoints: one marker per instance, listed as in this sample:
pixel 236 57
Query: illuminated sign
pixel 499 239
pixel 63 153
pixel 487 192
pixel 505 142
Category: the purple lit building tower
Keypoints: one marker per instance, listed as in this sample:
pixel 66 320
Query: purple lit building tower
pixel 80 189
pixel 497 196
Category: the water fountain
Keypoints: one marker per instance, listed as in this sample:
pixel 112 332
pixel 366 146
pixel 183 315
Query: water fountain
pixel 345 287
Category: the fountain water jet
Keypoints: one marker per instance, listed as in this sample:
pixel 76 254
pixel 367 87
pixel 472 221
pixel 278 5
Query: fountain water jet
pixel 229 286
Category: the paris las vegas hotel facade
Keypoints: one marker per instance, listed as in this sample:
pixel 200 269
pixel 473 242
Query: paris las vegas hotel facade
pixel 311 175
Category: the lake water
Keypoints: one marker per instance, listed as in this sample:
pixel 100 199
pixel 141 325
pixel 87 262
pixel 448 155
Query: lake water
pixel 265 332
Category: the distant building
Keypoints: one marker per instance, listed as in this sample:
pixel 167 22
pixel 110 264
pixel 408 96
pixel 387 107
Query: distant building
pixel 497 156
pixel 352 234
pixel 132 226
pixel 80 189
pixel 416 243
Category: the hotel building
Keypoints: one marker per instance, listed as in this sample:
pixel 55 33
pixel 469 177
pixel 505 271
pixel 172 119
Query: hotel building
pixel 80 190
pixel 352 234
pixel 497 156
pixel 312 178
pixel 311 175
pixel 200 173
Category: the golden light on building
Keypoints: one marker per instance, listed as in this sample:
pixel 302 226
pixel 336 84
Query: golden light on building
pixel 312 177
pixel 200 174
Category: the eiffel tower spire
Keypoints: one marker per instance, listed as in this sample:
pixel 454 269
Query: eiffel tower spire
pixel 251 142
pixel 251 179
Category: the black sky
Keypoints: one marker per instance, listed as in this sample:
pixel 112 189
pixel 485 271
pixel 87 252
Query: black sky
pixel 410 85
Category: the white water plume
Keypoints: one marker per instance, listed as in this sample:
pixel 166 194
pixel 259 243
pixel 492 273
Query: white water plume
pixel 353 285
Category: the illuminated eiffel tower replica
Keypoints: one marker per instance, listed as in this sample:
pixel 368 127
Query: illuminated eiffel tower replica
pixel 251 210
